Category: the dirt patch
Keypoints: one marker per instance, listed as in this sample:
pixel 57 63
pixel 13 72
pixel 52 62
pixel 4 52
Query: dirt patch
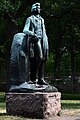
pixel 65 118
pixel 67 115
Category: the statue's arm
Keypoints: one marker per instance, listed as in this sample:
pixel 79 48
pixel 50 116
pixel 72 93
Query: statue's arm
pixel 26 29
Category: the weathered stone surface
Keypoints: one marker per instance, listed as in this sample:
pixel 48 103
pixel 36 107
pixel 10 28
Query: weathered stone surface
pixel 33 105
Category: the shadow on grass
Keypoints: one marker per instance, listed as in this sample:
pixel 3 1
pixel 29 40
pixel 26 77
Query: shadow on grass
pixel 71 105
pixel 3 114
pixel 2 100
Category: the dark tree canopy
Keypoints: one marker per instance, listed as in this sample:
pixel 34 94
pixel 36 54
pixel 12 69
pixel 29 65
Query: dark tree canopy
pixel 63 29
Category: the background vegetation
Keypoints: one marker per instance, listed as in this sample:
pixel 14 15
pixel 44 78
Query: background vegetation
pixel 62 23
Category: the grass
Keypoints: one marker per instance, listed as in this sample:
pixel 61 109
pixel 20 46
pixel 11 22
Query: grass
pixel 2 101
pixel 5 117
pixel 69 107
pixel 70 104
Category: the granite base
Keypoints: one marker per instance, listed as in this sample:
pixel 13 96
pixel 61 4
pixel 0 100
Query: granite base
pixel 33 105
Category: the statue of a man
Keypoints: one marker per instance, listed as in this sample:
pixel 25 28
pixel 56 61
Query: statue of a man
pixel 31 46
pixel 35 28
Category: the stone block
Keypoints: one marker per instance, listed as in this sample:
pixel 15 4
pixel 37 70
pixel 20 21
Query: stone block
pixel 33 105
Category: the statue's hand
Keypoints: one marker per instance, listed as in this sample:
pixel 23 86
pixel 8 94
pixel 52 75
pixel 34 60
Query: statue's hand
pixel 34 39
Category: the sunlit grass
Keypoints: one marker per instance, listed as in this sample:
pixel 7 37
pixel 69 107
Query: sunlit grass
pixel 5 117
pixel 2 93
pixel 2 106
pixel 70 107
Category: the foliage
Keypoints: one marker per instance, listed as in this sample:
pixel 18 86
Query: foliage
pixel 49 65
pixel 70 97
pixel 63 30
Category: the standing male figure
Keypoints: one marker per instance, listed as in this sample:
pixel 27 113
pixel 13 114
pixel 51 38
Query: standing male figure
pixel 35 29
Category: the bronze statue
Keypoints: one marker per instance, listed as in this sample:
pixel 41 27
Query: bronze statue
pixel 30 48
pixel 35 27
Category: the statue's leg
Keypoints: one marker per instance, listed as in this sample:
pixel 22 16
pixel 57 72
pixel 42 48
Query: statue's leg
pixel 34 65
pixel 41 73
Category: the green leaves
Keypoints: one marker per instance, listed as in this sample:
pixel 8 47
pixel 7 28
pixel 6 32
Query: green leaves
pixel 62 25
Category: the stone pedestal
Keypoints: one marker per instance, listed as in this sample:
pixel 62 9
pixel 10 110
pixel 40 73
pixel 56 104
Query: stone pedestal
pixel 33 105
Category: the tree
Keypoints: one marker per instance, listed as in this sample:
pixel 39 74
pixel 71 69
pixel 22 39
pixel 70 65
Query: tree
pixel 12 19
pixel 63 29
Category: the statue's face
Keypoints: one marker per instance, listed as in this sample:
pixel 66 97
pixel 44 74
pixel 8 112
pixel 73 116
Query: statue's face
pixel 36 8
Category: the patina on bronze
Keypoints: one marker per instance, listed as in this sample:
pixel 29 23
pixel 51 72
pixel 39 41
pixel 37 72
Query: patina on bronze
pixel 29 52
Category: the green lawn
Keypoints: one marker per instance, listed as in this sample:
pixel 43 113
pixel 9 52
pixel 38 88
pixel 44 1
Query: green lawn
pixel 70 104
pixel 69 107
pixel 2 101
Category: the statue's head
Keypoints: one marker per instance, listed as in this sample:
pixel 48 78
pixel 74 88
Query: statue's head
pixel 36 8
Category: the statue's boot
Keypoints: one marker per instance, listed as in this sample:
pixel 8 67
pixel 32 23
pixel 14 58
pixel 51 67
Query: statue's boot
pixel 41 80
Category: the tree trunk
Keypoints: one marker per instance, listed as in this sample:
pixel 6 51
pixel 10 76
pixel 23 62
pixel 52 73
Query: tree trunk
pixel 57 54
pixel 73 67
